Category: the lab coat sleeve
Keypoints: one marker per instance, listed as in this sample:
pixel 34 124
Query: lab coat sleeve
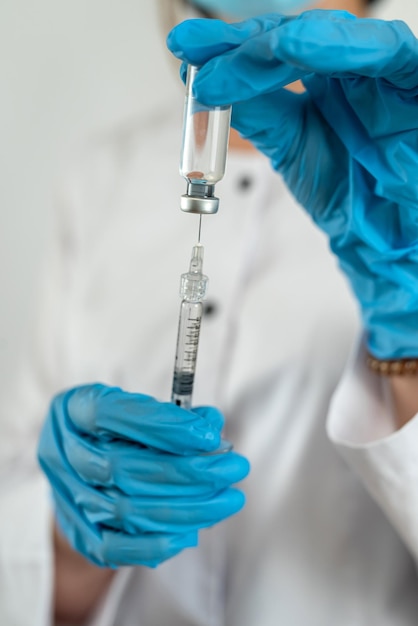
pixel 362 427
pixel 26 552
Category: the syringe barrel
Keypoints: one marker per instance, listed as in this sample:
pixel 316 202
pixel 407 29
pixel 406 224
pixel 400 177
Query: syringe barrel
pixel 186 352
pixel 204 149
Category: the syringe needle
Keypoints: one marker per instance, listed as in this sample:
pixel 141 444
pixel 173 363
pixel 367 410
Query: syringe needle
pixel 200 228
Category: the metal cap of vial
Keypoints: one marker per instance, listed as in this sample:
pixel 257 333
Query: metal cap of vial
pixel 203 206
pixel 199 199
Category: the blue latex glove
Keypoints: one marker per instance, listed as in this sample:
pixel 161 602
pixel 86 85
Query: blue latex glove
pixel 347 148
pixel 130 484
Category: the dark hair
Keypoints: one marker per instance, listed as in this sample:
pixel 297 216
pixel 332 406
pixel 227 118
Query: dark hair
pixel 207 14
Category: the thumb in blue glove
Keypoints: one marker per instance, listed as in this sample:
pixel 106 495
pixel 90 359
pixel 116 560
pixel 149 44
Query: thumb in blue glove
pixel 130 483
pixel 347 148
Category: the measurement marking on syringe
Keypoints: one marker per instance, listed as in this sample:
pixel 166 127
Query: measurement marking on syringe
pixel 192 291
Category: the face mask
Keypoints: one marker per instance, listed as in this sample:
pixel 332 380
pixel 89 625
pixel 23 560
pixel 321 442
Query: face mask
pixel 243 9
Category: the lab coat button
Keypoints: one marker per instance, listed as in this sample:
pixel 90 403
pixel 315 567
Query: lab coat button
pixel 245 182
pixel 210 308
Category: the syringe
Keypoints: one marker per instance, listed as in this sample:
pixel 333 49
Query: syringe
pixel 192 291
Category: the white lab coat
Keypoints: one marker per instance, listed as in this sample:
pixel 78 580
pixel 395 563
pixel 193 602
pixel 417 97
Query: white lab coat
pixel 323 540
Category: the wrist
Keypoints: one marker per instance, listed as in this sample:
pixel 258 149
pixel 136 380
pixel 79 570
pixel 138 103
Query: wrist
pixel 78 584
pixel 404 391
pixel 402 379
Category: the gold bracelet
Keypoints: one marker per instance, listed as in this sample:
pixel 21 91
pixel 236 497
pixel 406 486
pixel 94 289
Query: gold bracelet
pixel 392 367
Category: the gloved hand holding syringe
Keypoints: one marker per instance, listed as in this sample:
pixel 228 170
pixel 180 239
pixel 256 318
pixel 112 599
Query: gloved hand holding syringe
pixel 202 164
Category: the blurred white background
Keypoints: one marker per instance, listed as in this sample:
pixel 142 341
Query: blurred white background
pixel 68 67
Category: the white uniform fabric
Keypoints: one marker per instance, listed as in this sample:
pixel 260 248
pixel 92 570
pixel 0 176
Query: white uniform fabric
pixel 321 542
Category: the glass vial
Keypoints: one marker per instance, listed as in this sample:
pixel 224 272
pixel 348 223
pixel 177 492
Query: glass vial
pixel 204 150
